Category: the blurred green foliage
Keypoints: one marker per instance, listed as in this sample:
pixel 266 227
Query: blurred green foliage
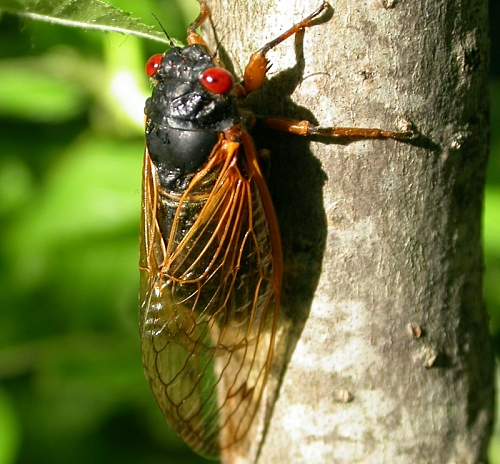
pixel 71 137
pixel 491 234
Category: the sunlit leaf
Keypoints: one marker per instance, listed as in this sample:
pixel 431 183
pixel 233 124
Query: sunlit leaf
pixel 88 14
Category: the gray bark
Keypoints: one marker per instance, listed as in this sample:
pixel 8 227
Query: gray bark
pixel 389 358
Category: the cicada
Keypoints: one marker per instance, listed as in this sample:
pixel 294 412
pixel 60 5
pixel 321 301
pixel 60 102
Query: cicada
pixel 211 260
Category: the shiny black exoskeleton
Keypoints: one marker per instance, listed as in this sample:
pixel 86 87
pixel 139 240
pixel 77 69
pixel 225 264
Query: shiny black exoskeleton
pixel 183 117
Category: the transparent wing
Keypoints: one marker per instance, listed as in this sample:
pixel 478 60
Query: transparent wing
pixel 209 297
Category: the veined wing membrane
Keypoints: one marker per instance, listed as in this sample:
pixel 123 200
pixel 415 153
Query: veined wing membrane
pixel 208 300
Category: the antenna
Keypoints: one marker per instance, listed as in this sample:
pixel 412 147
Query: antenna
pixel 162 28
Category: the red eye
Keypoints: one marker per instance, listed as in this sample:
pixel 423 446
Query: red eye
pixel 153 64
pixel 217 80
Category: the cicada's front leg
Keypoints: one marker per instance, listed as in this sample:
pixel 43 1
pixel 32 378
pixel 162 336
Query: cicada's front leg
pixel 255 74
pixel 192 36
pixel 256 69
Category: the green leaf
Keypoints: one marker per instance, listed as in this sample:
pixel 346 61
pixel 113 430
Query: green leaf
pixel 88 14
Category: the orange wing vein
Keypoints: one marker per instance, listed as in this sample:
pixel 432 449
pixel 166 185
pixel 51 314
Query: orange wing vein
pixel 210 285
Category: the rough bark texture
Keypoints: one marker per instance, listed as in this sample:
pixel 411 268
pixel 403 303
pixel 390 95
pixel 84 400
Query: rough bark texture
pixel 390 360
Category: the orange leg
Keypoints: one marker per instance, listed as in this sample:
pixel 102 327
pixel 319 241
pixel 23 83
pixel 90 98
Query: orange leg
pixel 293 126
pixel 255 74
pixel 192 36
pixel 255 71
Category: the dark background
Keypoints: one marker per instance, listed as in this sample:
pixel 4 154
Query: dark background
pixel 72 389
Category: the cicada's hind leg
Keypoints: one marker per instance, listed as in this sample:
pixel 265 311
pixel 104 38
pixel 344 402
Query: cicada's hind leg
pixel 255 71
pixel 293 126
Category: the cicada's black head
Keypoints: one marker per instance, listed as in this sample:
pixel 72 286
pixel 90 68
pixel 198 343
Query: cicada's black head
pixel 190 104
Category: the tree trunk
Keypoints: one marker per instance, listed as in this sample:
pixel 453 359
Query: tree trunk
pixel 389 359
